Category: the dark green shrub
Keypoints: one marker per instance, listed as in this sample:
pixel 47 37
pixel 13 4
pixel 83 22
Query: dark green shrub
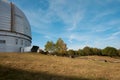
pixel 71 52
pixel 110 51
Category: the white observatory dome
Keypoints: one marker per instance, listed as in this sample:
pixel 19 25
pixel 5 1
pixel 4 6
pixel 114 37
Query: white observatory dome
pixel 15 31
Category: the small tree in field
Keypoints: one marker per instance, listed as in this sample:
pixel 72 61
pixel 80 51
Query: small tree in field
pixel 61 47
pixel 50 47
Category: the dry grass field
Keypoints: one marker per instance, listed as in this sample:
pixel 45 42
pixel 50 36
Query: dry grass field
pixel 32 66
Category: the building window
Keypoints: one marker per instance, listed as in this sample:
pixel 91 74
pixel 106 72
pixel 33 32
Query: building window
pixel 16 41
pixel 21 42
pixel 2 41
pixel 25 43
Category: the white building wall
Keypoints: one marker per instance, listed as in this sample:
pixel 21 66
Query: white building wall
pixel 13 44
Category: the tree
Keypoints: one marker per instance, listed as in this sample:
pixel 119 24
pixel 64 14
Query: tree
pixel 50 47
pixel 87 51
pixel 96 51
pixel 110 51
pixel 80 52
pixel 61 47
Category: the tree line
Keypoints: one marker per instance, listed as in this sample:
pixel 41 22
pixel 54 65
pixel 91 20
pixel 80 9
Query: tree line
pixel 60 48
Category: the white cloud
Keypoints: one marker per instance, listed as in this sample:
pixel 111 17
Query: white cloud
pixel 80 41
pixel 70 15
pixel 75 46
pixel 116 33
pixel 100 15
pixel 80 37
pixel 76 20
pixel 104 26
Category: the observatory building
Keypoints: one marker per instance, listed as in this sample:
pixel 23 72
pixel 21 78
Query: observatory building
pixel 15 31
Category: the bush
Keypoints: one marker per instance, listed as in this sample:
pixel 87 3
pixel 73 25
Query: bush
pixel 71 52
pixel 43 52
pixel 110 51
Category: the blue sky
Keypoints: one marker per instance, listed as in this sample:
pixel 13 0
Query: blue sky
pixel 80 23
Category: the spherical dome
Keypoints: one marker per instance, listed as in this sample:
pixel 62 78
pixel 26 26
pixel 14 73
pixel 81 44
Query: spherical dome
pixel 15 31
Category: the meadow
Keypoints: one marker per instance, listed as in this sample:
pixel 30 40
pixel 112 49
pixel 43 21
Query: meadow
pixel 34 66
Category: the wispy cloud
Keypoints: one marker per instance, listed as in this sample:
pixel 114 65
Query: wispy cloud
pixel 76 20
pixel 101 15
pixel 58 11
pixel 116 33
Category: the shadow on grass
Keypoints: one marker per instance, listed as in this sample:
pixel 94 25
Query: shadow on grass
pixel 7 73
